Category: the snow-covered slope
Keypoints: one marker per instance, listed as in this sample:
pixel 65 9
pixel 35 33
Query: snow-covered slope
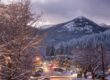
pixel 73 29
pixel 105 25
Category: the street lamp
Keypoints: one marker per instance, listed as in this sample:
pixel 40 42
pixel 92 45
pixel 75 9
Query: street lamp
pixel 38 58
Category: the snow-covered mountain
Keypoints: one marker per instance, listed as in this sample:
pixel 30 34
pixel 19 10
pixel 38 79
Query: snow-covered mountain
pixel 74 29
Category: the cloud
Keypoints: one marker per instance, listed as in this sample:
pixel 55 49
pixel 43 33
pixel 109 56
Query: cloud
pixel 57 11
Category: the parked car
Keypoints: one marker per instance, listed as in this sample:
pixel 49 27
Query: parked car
pixel 99 74
pixel 58 69
pixel 38 72
pixel 46 79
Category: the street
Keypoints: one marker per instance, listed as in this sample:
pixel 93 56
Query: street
pixel 60 78
pixel 57 78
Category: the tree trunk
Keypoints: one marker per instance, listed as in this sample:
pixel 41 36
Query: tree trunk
pixel 93 75
pixel 85 74
pixel 79 75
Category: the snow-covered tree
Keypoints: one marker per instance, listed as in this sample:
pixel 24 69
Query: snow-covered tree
pixel 88 51
pixel 50 50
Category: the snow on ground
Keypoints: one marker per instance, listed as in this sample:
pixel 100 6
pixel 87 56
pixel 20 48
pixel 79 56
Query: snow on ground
pixel 108 78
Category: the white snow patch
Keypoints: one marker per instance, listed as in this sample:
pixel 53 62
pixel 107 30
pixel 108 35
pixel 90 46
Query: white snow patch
pixel 69 25
pixel 72 27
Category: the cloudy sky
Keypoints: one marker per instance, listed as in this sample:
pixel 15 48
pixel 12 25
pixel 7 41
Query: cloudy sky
pixel 56 11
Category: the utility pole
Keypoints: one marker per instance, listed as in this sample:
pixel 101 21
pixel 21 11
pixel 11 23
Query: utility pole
pixel 102 61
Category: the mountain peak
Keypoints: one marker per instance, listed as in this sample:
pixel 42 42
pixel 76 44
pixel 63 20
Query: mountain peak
pixel 81 17
pixel 82 21
pixel 82 24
